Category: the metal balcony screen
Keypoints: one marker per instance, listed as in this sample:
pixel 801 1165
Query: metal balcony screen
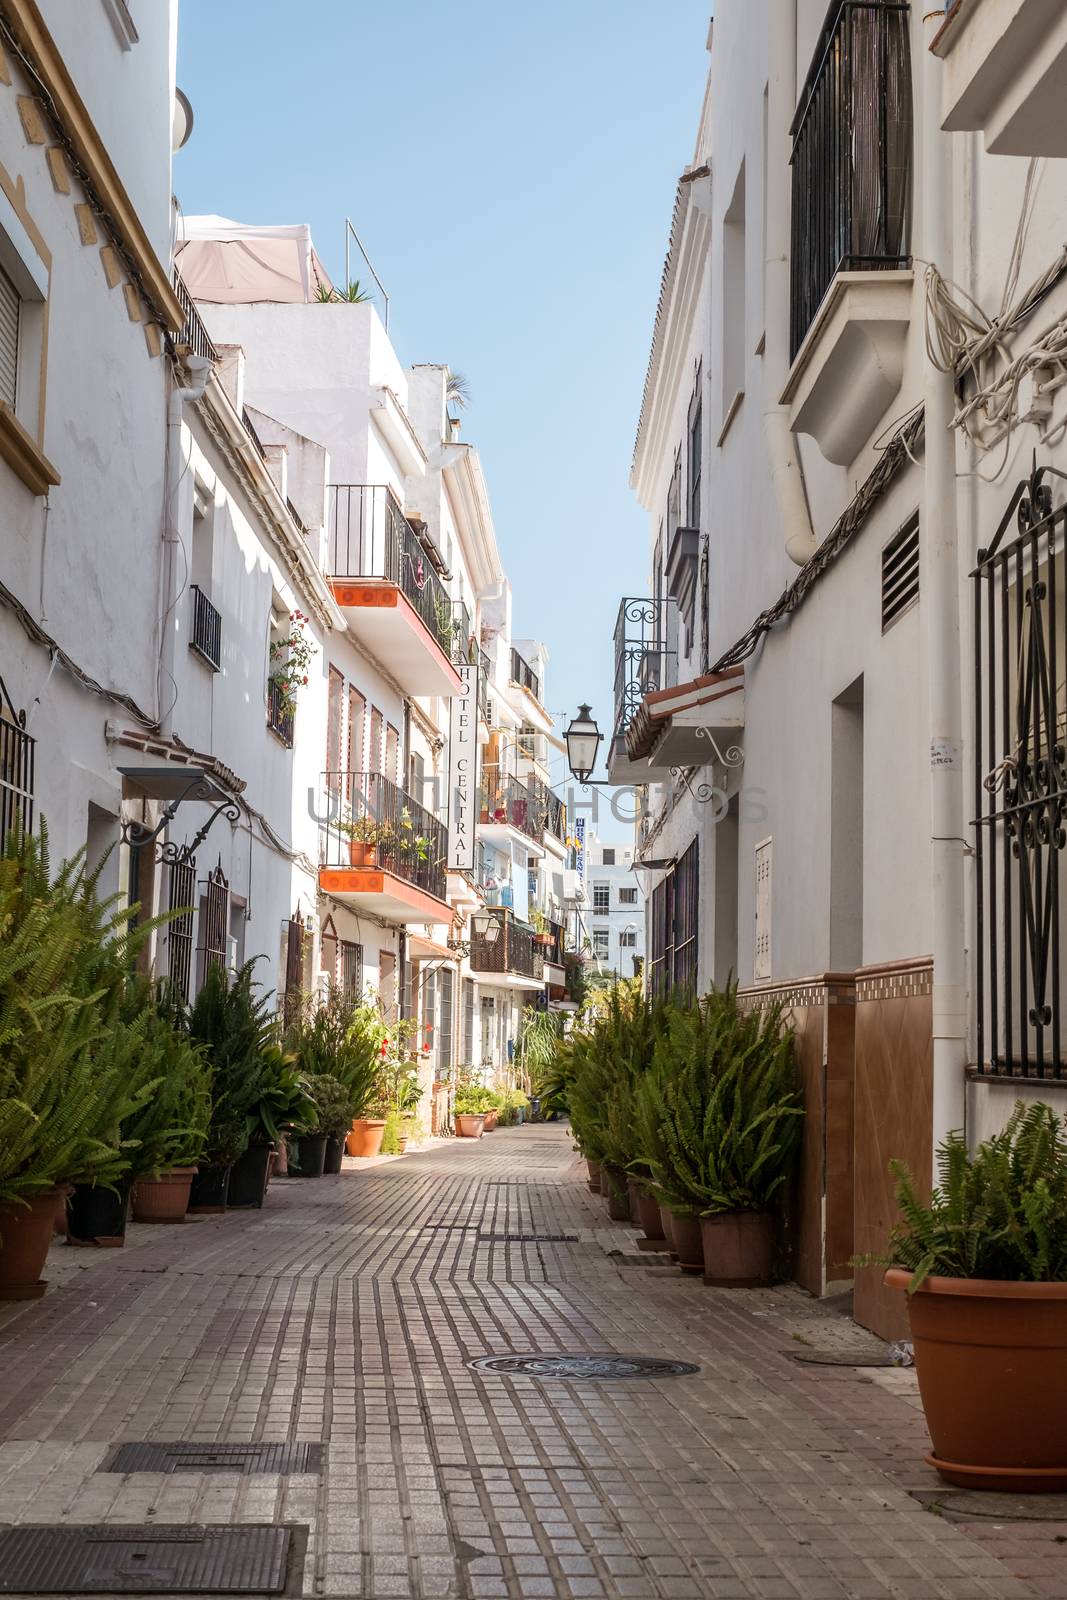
pixel 206 637
pixel 852 154
pixel 499 945
pixel 1020 787
pixel 369 537
pixel 640 657
pixel 382 826
pixel 522 673
pixel 17 751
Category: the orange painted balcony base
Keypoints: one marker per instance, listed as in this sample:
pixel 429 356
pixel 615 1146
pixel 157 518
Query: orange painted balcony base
pixel 383 618
pixel 371 889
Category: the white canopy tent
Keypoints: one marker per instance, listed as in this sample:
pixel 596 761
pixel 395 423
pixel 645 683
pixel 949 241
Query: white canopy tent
pixel 237 263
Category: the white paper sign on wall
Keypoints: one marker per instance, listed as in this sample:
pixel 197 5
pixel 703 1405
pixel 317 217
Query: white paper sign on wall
pixel 463 771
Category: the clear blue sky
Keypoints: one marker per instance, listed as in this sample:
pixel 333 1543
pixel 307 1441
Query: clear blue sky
pixel 511 170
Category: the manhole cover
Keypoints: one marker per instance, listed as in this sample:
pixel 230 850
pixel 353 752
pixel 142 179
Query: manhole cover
pixel 603 1368
pixel 841 1358
pixel 126 1560
pixel 244 1458
pixel 971 1505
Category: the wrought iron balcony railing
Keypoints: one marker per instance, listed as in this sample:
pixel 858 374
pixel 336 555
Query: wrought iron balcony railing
pixel 17 751
pixel 550 808
pixel 483 684
pixel 506 800
pixel 525 676
pixel 380 825
pixel 500 944
pixel 463 631
pixel 369 537
pixel 281 717
pixel 206 634
pixel 193 336
pixel 852 154
pixel 642 661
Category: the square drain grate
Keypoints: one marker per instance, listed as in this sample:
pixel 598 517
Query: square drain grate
pixel 250 1559
pixel 243 1458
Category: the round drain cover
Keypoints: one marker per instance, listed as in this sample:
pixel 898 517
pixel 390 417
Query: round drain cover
pixel 602 1368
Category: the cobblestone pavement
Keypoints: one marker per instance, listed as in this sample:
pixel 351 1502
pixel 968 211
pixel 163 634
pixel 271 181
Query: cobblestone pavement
pixel 346 1312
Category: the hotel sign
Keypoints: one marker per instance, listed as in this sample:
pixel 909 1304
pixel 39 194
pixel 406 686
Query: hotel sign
pixel 463 771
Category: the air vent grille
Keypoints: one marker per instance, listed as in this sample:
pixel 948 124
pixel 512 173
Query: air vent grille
pixel 900 572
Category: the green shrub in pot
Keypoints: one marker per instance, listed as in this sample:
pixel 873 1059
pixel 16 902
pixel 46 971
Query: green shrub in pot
pixel 170 1128
pixel 332 1103
pixel 233 1025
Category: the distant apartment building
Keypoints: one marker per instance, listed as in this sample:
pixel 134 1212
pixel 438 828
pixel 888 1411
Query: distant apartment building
pixel 615 914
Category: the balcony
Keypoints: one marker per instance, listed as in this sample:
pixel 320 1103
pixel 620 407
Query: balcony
pixel 851 288
pixel 509 806
pixel 206 634
pixel 505 952
pixel 553 813
pixel 1005 74
pixel 381 575
pixel 194 338
pixel 642 664
pixel 281 716
pixel 381 852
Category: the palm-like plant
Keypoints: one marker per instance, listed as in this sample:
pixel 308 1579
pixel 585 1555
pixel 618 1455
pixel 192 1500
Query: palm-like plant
pixel 457 390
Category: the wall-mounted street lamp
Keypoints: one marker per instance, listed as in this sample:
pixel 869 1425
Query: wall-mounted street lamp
pixel 583 741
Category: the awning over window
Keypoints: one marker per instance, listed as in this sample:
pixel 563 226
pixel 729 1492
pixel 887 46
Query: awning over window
pixel 686 725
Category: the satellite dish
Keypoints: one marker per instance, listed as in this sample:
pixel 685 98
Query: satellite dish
pixel 182 123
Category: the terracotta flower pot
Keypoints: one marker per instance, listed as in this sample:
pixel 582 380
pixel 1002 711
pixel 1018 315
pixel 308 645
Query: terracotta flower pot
pixel 594 1176
pixel 469 1124
pixel 648 1215
pixel 365 1137
pixel 163 1199
pixel 613 1184
pixel 738 1248
pixel 667 1224
pixel 491 1119
pixel 25 1234
pixel 688 1241
pixel 362 854
pixel 991 1359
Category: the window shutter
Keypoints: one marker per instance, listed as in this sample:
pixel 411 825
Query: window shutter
pixel 9 339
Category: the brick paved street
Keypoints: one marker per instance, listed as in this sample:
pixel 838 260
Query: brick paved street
pixel 345 1313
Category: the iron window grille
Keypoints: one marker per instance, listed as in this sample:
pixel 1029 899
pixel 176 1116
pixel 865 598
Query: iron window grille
pixel 17 759
pixel 445 989
pixel 206 636
pixel 385 828
pixel 214 921
pixel 852 154
pixel 294 933
pixel 1020 786
pixel 468 1021
pixel 900 572
pixel 181 898
pixel 351 969
pixel 674 928
pixel 369 537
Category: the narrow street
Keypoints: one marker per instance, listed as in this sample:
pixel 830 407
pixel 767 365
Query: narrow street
pixel 345 1314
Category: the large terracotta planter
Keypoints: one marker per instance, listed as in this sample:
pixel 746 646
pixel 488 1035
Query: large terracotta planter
pixel 738 1248
pixel 163 1199
pixel 667 1222
pixel 469 1124
pixel 650 1219
pixel 688 1241
pixel 365 1136
pixel 25 1234
pixel 491 1119
pixel 613 1185
pixel 991 1359
pixel 594 1170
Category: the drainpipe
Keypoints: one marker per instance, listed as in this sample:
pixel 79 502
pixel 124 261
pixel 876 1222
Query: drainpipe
pixel 942 610
pixel 199 371
pixel 787 474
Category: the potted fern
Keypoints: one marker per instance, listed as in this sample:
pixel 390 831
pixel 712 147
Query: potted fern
pixel 171 1129
pixel 233 1026
pixel 984 1265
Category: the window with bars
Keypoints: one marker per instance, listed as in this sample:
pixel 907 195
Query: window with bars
pixel 17 749
pixel 10 316
pixel 429 1011
pixel 687 920
pixel 661 953
pixel 181 897
pixel 468 1021
pixel 601 943
pixel 214 923
pixel 444 1024
pixel 351 968
pixel 334 712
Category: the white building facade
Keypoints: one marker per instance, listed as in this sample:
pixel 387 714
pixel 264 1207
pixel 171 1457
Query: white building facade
pixel 615 919
pixel 834 698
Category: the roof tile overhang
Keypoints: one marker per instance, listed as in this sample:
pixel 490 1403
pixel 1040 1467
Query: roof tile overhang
pixel 691 711
pixel 173 750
